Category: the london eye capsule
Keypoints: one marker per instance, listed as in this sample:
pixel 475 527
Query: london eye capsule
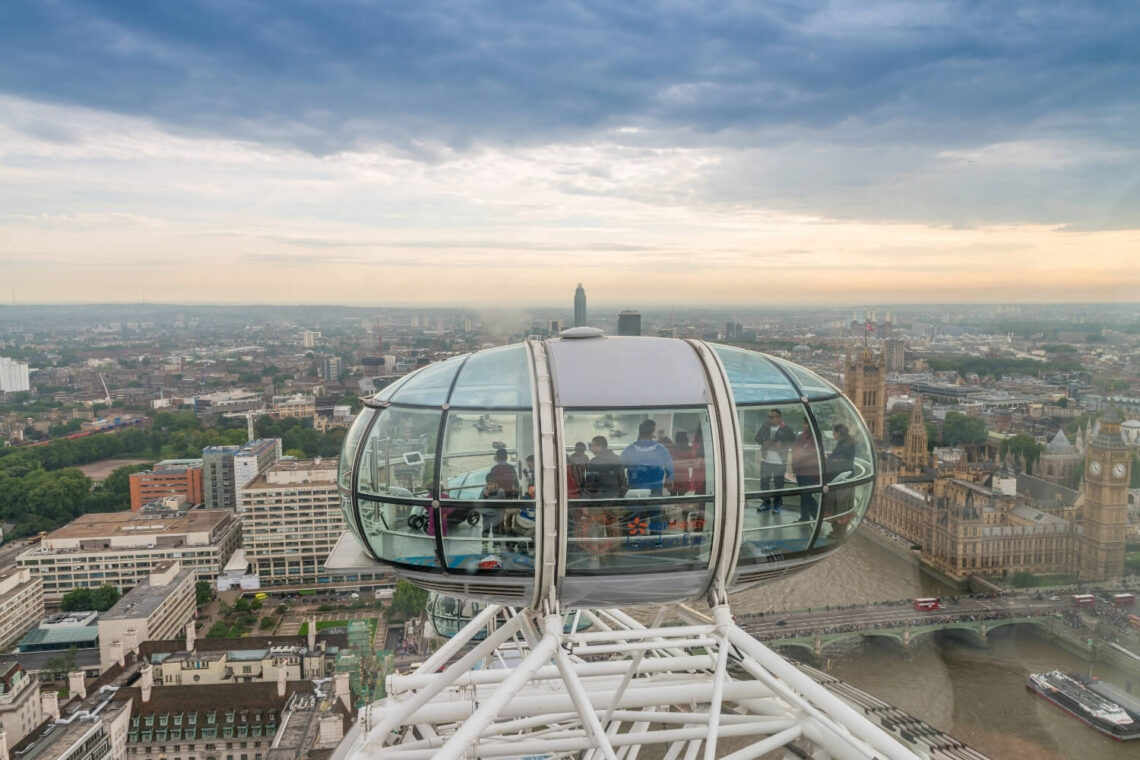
pixel 604 471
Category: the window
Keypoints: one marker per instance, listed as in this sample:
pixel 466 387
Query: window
pixel 639 485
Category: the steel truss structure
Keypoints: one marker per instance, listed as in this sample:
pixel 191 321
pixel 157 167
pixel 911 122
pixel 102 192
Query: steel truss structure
pixel 697 687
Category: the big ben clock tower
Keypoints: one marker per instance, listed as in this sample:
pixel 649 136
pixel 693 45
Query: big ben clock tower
pixel 1107 472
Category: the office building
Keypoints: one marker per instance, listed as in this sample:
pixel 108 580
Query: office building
pixel 331 367
pixel 157 608
pixel 170 477
pixel 288 719
pixel 580 306
pixel 13 376
pixel 296 406
pixel 310 338
pixel 291 521
pixel 21 604
pixel 122 548
pixel 254 458
pixel 894 349
pixel 212 662
pixel 629 323
pixel 94 727
pixel 21 706
pixel 227 468
pixel 218 477
pixel 63 631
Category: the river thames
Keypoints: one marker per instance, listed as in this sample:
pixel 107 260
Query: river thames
pixel 972 691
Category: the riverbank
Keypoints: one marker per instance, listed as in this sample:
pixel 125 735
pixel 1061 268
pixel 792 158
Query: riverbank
pixel 900 548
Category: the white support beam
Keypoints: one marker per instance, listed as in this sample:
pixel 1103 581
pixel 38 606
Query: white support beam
pixel 609 692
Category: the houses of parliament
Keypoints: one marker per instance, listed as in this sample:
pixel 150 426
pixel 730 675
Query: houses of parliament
pixel 981 518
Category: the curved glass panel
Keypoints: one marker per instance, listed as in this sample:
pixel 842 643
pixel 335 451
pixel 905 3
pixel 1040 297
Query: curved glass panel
pixel 348 448
pixel 488 476
pixel 448 615
pixel 399 453
pixel 753 377
pixel 812 385
pixel 639 484
pixel 843 510
pixel 430 385
pixel 386 392
pixel 497 378
pixel 846 445
pixel 401 533
pixel 780 452
pixel 770 535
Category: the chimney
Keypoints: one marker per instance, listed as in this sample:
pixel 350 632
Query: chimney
pixel 4 742
pixel 146 681
pixel 332 730
pixel 116 651
pixel 190 640
pixel 341 690
pixel 75 684
pixel 312 633
pixel 282 674
pixel 49 704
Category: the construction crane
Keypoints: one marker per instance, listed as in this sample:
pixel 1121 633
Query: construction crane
pixel 250 414
pixel 107 392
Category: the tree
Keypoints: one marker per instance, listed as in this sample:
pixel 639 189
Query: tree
pixel 104 597
pixel 203 593
pixel 897 425
pixel 77 600
pixel 960 429
pixel 408 599
pixel 82 599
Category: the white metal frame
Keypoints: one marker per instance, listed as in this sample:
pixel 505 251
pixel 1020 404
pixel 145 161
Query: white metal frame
pixel 607 692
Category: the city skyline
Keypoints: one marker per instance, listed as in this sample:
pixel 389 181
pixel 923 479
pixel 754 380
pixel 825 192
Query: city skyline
pixel 807 154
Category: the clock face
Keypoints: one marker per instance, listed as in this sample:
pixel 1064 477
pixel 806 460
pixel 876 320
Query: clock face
pixel 1094 467
pixel 1118 470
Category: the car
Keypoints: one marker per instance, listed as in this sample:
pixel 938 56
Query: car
pixel 1054 599
pixel 781 622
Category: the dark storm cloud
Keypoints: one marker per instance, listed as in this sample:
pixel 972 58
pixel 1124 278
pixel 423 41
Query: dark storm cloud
pixel 326 75
pixel 858 100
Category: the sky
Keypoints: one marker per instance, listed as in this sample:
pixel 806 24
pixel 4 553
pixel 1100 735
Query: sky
pixel 383 153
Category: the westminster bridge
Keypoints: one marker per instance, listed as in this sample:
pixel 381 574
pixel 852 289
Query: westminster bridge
pixel 815 629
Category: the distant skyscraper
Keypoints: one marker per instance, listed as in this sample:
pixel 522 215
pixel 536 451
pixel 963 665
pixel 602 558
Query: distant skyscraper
pixel 330 368
pixel 580 306
pixel 629 323
pixel 895 352
pixel 14 375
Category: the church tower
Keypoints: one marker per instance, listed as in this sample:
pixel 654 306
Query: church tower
pixel 915 454
pixel 1107 474
pixel 865 384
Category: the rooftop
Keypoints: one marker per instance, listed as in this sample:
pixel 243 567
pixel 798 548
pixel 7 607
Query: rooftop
pixel 108 524
pixel 144 598
pixel 80 636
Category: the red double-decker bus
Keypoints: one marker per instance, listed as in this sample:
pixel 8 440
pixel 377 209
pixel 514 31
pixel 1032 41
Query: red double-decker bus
pixel 927 603
pixel 1084 600
pixel 1123 600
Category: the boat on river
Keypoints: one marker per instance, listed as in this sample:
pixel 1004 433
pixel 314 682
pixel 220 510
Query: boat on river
pixel 1074 694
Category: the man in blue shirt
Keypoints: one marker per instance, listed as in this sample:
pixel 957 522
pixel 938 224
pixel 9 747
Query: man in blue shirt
pixel 648 464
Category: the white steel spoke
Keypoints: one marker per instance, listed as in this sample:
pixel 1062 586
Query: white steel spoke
pixel 547 689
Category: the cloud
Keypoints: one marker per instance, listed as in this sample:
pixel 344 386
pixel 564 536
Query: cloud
pixel 791 142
